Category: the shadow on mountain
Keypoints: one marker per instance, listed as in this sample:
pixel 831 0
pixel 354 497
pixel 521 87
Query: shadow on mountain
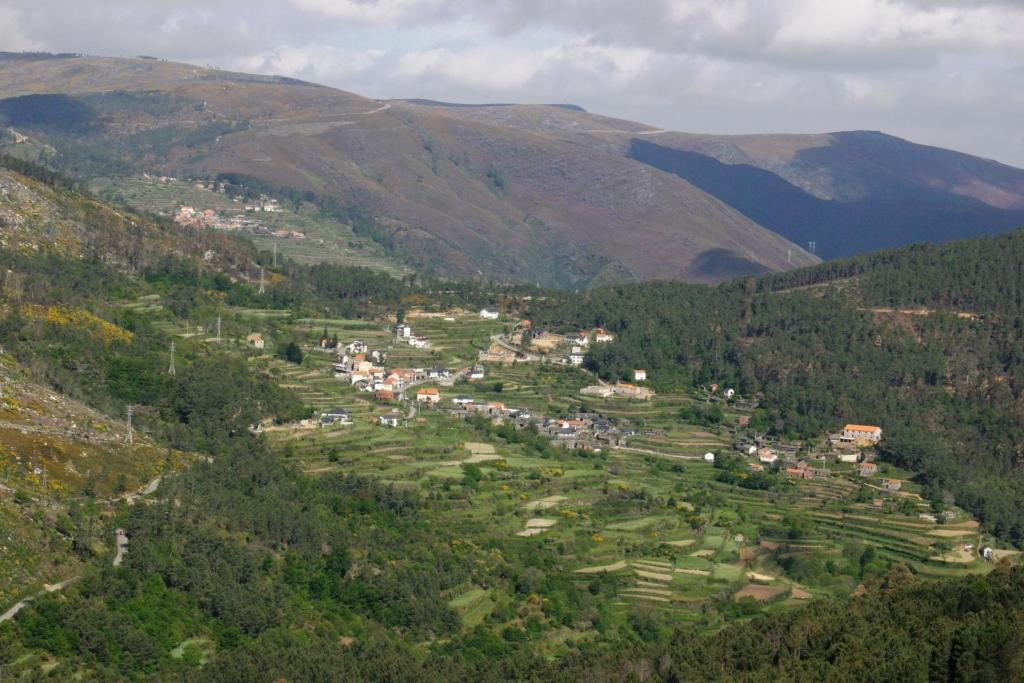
pixel 725 264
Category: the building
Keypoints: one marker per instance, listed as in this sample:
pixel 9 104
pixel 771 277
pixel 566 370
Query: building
pixel 576 359
pixel 639 375
pixel 578 339
pixel 868 469
pixel 429 395
pixel 602 336
pixel 598 390
pixel 729 393
pixel 390 419
pixel 419 342
pixel 255 340
pixel 848 456
pixel 861 434
pixel 709 457
pixel 892 484
pixel 462 400
pixel 476 372
pixel 403 331
pixel 384 395
pixel 489 314
pixel 767 456
pixel 335 416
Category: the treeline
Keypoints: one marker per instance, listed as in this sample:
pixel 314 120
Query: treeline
pixel 824 346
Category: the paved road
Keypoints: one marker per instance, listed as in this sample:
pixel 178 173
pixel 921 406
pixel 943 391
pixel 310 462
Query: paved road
pixel 47 588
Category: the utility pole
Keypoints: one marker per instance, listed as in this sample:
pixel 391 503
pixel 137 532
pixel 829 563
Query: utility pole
pixel 170 370
pixel 789 256
pixel 262 286
pixel 130 437
pixel 218 328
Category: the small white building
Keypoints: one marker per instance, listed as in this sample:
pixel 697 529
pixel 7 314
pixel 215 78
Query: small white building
pixel 477 372
pixel 729 393
pixel 462 400
pixel 767 456
pixel 709 457
pixel 576 358
pixel 639 375
pixel 390 419
pixel 403 331
pixel 419 342
pixel 489 314
pixel 602 336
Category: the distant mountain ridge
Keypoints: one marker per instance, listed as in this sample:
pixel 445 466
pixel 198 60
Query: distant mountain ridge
pixel 529 193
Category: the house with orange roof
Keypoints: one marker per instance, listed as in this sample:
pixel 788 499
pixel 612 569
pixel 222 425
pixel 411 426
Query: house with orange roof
pixel 861 434
pixel 428 395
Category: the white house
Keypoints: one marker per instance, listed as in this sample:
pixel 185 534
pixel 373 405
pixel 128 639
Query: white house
pixel 767 456
pixel 462 400
pixel 419 342
pixel 390 419
pixel 356 347
pixel 639 375
pixel 489 314
pixel 576 358
pixel 477 372
pixel 729 393
pixel 602 336
pixel 709 457
pixel 403 331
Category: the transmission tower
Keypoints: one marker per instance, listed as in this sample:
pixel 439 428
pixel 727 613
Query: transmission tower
pixel 130 437
pixel 263 288
pixel 170 370
pixel 812 246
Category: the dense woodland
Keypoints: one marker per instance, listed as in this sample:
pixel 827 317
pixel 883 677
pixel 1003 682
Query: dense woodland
pixel 828 345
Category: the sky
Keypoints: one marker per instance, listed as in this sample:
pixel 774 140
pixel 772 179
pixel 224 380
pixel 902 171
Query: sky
pixel 942 72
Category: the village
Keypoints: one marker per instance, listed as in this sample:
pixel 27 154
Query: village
pixel 484 411
pixel 366 370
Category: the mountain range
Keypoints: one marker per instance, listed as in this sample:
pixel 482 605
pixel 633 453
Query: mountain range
pixel 527 193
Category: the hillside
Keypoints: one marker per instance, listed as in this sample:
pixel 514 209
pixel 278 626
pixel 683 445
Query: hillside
pixel 413 541
pixel 922 340
pixel 457 196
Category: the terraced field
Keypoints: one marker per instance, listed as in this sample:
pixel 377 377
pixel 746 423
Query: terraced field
pixel 326 239
pixel 650 522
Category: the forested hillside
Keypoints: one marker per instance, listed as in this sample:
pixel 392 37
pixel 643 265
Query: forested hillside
pixel 923 340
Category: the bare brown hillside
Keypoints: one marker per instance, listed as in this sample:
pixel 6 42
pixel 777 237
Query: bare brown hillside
pixel 461 195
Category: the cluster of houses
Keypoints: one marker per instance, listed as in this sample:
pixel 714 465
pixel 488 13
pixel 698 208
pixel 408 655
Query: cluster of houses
pixel 209 218
pixel 403 332
pixel 854 444
pixel 580 431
